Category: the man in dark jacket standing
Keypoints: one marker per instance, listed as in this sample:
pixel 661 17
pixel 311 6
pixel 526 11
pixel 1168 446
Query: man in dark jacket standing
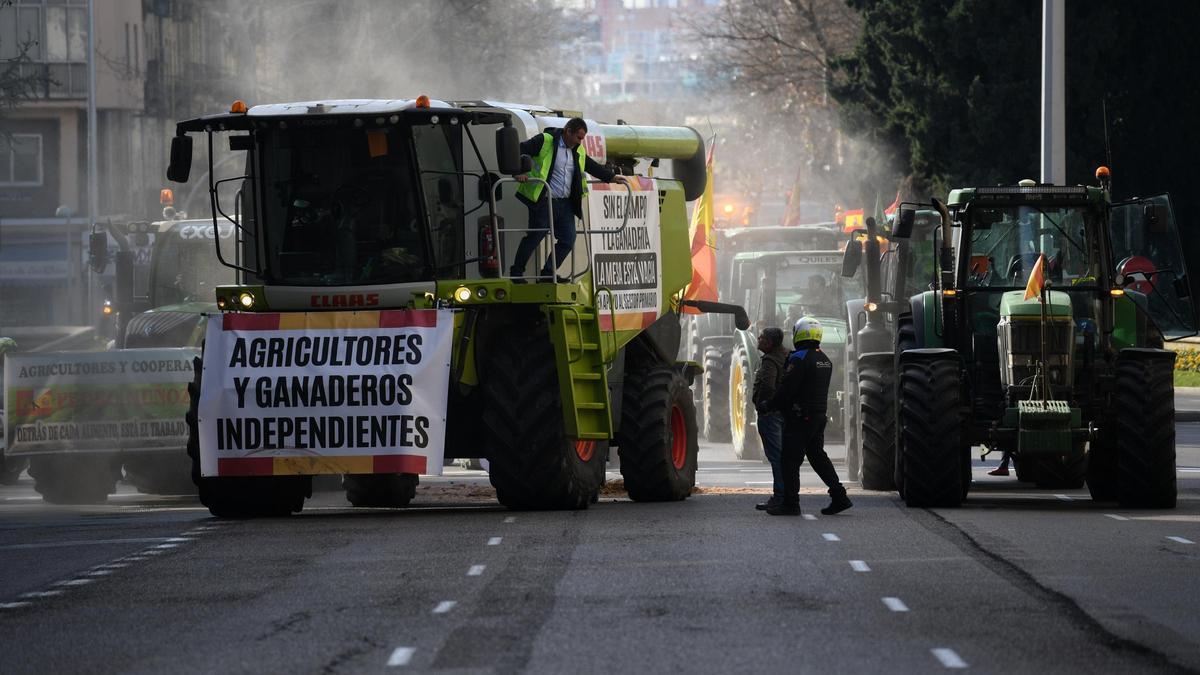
pixel 770 422
pixel 559 159
pixel 802 397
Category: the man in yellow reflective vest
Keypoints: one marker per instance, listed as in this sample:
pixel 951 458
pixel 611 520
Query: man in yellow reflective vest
pixel 560 160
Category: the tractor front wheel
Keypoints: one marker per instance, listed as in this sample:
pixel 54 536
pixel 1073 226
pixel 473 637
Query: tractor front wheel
pixel 1144 417
pixel 877 412
pixel 930 431
pixel 716 395
pixel 657 443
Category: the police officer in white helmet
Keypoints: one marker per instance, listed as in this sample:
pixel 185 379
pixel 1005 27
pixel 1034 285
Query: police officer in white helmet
pixel 802 398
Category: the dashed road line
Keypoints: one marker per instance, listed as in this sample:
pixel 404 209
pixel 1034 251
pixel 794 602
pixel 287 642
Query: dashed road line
pixel 1181 540
pixel 1115 516
pixel 809 516
pixel 41 594
pixel 444 606
pixel 476 570
pixel 948 657
pixel 74 582
pixel 495 541
pixel 14 605
pixel 1064 498
pixel 510 519
pixel 895 604
pixel 860 566
pixel 98 573
pixel 401 656
pixel 829 536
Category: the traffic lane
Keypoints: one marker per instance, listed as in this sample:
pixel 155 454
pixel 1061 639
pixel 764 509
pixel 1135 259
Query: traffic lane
pixel 1133 571
pixel 331 589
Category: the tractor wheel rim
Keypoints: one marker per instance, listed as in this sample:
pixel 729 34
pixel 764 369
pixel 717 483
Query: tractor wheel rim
pixel 736 404
pixel 585 450
pixel 679 439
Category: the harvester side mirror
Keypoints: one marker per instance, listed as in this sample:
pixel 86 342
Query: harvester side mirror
pixel 852 257
pixel 1154 218
pixel 508 151
pixel 905 223
pixel 98 252
pixel 181 159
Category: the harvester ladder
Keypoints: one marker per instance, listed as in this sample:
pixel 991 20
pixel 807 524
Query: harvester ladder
pixel 582 377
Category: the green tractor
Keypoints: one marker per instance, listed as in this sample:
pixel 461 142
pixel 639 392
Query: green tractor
pixel 349 208
pixel 1071 378
pixel 777 289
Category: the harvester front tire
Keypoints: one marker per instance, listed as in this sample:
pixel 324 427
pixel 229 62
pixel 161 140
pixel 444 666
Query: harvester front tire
pixel 716 396
pixel 1144 416
pixel 930 431
pixel 533 465
pixel 877 412
pixel 657 443
pixel 240 497
pixel 83 478
pixel 380 490
pixel 747 444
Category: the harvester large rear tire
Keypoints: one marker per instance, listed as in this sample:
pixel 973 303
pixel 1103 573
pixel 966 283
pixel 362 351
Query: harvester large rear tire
pixel 239 497
pixel 747 444
pixel 877 412
pixel 657 443
pixel 1144 416
pixel 532 462
pixel 716 395
pixel 79 478
pixel 380 490
pixel 930 431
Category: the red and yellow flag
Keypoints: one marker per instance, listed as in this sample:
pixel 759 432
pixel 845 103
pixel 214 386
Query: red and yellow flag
pixel 704 261
pixel 1037 278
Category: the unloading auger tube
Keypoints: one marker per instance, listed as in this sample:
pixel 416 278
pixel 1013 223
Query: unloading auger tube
pixel 682 145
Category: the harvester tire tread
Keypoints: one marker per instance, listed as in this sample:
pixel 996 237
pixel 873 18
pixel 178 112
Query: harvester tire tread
pixel 877 412
pixel 1144 416
pixel 382 491
pixel 716 395
pixel 930 428
pixel 532 463
pixel 645 442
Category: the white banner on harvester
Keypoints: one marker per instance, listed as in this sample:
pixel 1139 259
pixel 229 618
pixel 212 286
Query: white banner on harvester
pixel 626 254
pixel 325 393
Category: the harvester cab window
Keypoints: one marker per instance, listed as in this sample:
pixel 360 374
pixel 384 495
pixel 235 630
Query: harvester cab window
pixel 439 157
pixel 341 207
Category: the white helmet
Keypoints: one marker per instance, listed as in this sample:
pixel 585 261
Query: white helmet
pixel 807 328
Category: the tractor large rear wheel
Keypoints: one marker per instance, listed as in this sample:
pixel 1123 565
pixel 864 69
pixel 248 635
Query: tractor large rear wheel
pixel 532 462
pixel 657 443
pixel 716 395
pixel 1144 417
pixel 877 412
pixel 929 437
pixel 850 421
pixel 242 496
pixel 747 444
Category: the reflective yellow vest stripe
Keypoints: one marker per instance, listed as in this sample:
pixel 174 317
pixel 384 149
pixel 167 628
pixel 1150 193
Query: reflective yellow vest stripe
pixel 531 190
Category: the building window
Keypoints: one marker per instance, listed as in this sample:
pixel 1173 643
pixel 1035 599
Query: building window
pixel 21 159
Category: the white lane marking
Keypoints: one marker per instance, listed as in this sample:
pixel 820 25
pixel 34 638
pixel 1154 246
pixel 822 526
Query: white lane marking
pixel 74 582
pixel 1187 470
pixel 948 658
pixel 444 606
pixel 829 536
pixel 476 570
pixel 1116 516
pixel 41 594
pixel 167 546
pixel 114 566
pixel 14 605
pixel 759 482
pixel 22 499
pixel 1181 540
pixel 82 542
pixel 153 551
pixel 895 604
pixel 1064 498
pixel 860 566
pixel 495 541
pixel 99 573
pixel 180 539
pixel 809 516
pixel 510 519
pixel 401 656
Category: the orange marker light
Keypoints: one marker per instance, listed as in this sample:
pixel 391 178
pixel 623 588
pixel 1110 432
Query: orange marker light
pixel 1102 173
pixel 238 107
pixel 166 197
pixel 422 101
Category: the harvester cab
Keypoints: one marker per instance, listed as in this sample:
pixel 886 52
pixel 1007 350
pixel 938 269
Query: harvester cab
pixel 380 215
pixel 1044 327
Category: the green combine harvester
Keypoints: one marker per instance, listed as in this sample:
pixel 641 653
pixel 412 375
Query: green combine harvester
pixel 369 205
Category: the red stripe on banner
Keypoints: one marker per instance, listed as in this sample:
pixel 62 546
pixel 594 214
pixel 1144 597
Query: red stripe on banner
pixel 246 466
pixel 239 321
pixel 399 464
pixel 405 318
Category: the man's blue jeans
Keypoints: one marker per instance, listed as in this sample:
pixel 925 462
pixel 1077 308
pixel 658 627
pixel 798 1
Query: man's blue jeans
pixel 770 430
pixel 539 225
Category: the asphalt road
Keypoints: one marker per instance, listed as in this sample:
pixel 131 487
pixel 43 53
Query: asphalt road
pixel 1015 581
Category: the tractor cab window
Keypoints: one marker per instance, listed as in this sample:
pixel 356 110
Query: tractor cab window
pixel 811 290
pixel 1148 263
pixel 342 206
pixel 1006 242
pixel 185 268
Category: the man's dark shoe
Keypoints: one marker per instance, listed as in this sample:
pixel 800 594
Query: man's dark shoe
pixel 772 501
pixel 840 503
pixel 517 276
pixel 784 510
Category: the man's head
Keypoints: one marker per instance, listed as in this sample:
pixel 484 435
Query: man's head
pixel 816 284
pixel 574 131
pixel 770 339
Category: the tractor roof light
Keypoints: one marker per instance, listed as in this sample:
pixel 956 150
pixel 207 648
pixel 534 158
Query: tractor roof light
pixel 166 197
pixel 422 101
pixel 728 209
pixel 238 107
pixel 1102 173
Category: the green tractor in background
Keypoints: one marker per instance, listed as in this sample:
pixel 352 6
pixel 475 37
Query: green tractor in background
pixel 777 289
pixel 1074 381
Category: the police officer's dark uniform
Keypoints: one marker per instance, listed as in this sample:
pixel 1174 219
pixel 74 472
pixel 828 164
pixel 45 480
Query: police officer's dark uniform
pixel 802 398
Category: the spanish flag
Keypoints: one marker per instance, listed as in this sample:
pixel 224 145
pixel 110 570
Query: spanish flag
pixel 704 260
pixel 1037 278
